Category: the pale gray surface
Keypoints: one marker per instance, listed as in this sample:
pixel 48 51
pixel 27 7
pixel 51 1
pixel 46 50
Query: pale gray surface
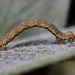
pixel 37 49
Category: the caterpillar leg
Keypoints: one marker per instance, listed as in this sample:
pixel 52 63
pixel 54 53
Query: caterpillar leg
pixel 60 40
pixel 63 41
pixel 70 40
pixel 4 47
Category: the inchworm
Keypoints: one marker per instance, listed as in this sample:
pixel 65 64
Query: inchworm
pixel 60 36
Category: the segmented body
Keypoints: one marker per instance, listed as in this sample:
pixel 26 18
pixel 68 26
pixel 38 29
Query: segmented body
pixel 61 37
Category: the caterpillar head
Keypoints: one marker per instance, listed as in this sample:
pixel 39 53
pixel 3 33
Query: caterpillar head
pixel 70 34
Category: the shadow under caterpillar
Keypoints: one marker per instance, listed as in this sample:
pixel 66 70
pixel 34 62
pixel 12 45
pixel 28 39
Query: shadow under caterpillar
pixel 60 36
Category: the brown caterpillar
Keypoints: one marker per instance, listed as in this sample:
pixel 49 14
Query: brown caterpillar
pixel 60 36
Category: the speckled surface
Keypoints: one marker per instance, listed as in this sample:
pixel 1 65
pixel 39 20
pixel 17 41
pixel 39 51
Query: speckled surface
pixel 33 49
pixel 36 51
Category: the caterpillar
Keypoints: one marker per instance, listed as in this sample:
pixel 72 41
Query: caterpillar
pixel 60 36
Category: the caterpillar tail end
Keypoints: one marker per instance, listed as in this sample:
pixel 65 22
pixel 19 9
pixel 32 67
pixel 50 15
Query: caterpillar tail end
pixel 3 47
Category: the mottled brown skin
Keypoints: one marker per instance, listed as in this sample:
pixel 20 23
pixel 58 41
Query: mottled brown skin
pixel 61 37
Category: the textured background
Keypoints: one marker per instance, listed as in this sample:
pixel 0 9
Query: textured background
pixel 36 51
pixel 13 12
